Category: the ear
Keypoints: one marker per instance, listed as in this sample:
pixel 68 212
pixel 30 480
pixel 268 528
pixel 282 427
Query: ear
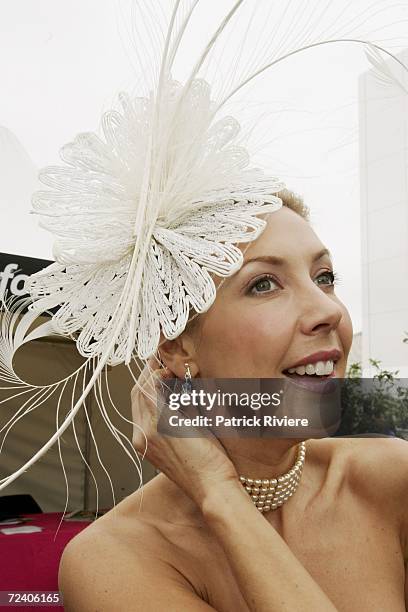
pixel 176 353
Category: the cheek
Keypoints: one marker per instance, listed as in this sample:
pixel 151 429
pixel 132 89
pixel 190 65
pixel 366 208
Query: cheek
pixel 345 331
pixel 246 343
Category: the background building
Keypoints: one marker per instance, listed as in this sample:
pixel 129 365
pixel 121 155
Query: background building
pixel 355 355
pixel 383 133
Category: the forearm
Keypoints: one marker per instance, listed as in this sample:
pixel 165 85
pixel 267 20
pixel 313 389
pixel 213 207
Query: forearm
pixel 270 577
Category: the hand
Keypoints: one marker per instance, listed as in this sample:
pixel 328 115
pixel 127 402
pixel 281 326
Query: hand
pixel 195 464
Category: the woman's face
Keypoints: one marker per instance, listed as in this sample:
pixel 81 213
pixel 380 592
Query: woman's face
pixel 271 314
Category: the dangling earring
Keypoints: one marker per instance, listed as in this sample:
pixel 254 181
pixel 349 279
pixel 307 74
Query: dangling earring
pixel 186 387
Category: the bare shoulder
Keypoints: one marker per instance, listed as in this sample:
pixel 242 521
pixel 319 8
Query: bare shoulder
pixel 380 465
pixel 375 467
pixel 117 564
pixel 377 471
pixel 382 459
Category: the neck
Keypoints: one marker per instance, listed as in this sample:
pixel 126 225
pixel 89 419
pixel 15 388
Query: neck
pixel 261 458
pixel 252 457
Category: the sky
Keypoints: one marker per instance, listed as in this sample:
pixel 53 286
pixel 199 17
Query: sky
pixel 63 63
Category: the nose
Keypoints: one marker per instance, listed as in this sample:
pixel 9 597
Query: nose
pixel 320 312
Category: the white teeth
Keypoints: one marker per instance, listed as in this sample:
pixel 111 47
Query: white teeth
pixel 328 367
pixel 321 368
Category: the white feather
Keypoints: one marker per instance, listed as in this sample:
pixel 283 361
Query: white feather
pixel 386 71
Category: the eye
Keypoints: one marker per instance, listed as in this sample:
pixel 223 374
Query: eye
pixel 331 278
pixel 262 285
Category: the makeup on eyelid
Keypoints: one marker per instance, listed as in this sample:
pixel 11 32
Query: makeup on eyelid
pixel 250 286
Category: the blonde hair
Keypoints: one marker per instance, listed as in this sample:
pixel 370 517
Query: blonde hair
pixel 295 202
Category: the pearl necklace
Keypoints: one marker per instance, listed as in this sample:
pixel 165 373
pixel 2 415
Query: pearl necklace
pixel 270 493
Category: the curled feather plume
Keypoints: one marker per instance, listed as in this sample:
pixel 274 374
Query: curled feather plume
pixel 150 256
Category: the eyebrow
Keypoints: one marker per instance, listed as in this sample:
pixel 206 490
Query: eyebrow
pixel 278 261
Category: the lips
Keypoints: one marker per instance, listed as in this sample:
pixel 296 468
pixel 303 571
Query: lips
pixel 317 384
pixel 328 355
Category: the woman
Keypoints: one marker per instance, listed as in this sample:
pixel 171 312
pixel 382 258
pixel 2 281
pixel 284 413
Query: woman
pixel 191 539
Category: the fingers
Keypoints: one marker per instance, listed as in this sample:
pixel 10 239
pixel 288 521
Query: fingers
pixel 154 363
pixel 144 394
pixel 151 365
pixel 145 375
pixel 152 371
pixel 146 397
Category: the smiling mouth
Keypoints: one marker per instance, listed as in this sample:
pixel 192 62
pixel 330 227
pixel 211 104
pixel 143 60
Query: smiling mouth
pixel 314 383
pixel 302 374
pixel 306 377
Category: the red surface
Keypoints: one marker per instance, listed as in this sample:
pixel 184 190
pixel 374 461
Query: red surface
pixel 29 561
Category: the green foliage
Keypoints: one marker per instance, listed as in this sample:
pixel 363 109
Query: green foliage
pixel 378 405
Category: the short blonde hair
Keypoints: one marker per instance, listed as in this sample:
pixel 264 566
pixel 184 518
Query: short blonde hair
pixel 295 202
